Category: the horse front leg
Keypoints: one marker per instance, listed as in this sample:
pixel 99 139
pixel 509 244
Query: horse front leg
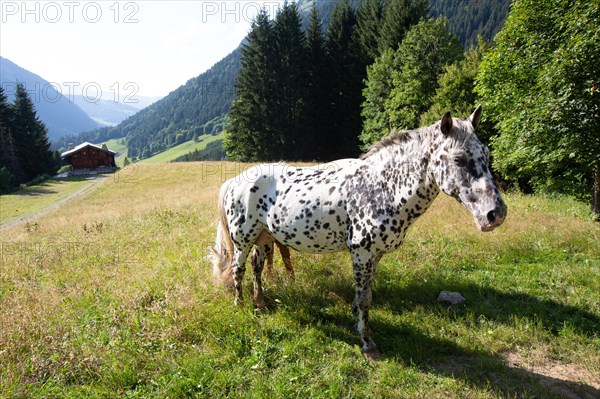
pixel 238 266
pixel 363 264
pixel 258 259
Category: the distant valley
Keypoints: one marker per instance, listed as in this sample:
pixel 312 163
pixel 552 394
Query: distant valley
pixel 66 115
pixel 200 106
pixel 61 116
pixel 110 112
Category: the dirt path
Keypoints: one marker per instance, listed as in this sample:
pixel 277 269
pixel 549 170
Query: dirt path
pixel 28 217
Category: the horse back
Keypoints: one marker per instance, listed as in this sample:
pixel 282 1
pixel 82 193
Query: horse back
pixel 301 207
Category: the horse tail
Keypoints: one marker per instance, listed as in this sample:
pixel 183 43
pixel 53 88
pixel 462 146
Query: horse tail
pixel 222 252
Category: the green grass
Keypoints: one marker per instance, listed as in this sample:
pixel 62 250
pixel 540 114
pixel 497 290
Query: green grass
pixel 28 201
pixel 112 297
pixel 182 149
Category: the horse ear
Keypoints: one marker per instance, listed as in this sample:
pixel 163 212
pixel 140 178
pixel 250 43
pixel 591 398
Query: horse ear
pixel 446 125
pixel 475 117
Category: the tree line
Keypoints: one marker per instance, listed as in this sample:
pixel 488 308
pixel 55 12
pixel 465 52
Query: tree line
pixel 192 110
pixel 538 83
pixel 25 152
pixel 469 19
pixel 541 86
pixel 299 94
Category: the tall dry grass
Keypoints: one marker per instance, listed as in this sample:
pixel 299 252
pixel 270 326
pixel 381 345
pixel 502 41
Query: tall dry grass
pixel 111 294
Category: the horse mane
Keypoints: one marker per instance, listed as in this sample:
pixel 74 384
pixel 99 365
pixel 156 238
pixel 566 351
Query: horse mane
pixel 394 138
pixel 426 133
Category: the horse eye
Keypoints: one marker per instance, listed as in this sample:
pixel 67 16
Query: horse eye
pixel 460 161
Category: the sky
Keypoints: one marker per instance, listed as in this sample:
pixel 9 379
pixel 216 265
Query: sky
pixel 114 49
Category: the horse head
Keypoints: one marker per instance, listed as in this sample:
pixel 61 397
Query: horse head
pixel 460 167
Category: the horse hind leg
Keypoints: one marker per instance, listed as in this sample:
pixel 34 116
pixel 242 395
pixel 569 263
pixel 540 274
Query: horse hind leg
pixel 258 260
pixel 263 247
pixel 287 259
pixel 269 265
pixel 238 266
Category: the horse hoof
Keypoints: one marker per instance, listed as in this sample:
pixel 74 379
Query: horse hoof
pixel 260 303
pixel 372 355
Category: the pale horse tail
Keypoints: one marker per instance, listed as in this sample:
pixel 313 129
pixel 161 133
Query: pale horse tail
pixel 221 254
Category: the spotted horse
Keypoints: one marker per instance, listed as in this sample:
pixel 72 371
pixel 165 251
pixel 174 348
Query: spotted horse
pixel 361 205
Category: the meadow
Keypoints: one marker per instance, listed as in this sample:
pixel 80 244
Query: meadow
pixel 111 297
pixel 169 155
pixel 27 202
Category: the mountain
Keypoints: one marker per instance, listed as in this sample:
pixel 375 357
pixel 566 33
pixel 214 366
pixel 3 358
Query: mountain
pixel 61 116
pixel 105 112
pixel 196 108
pixel 469 18
pixel 141 102
pixel 201 105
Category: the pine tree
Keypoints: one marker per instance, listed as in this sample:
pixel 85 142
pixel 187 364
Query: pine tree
pixel 318 131
pixel 289 80
pixel 31 137
pixel 369 18
pixel 249 136
pixel 9 166
pixel 398 17
pixel 8 155
pixel 346 82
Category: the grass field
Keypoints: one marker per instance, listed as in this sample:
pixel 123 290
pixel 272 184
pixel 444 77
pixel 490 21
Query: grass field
pixel 111 297
pixel 28 201
pixel 182 149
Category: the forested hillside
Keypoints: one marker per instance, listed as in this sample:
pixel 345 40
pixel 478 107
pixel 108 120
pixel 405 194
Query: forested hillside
pixel 469 18
pixel 299 94
pixel 207 98
pixel 196 108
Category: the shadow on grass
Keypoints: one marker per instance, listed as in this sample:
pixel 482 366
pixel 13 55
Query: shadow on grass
pixel 44 187
pixel 477 368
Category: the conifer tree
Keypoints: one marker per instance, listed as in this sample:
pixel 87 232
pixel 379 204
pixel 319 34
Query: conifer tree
pixel 289 83
pixel 346 81
pixel 319 136
pixel 31 137
pixel 398 17
pixel 369 18
pixel 10 169
pixel 250 136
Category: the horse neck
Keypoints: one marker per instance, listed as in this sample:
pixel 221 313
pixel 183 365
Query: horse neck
pixel 402 168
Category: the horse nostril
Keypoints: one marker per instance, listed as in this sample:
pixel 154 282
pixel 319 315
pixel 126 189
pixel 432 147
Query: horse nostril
pixel 491 216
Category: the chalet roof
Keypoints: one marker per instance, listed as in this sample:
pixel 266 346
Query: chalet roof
pixel 82 146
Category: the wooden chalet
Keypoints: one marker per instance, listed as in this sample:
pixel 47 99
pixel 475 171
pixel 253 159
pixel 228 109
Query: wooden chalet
pixel 89 156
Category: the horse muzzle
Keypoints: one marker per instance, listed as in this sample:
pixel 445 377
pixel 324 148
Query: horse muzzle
pixel 488 221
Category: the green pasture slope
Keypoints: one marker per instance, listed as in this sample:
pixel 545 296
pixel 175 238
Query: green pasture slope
pixel 183 149
pixel 112 297
pixel 169 155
